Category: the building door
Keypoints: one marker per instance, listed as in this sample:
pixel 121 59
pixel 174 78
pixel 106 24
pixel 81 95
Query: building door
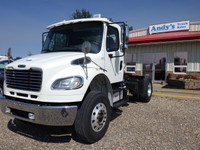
pixel 154 65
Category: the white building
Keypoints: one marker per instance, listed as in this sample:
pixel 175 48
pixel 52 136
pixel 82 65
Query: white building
pixel 165 50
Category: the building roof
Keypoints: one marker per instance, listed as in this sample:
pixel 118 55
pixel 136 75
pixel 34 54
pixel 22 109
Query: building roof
pixel 165 37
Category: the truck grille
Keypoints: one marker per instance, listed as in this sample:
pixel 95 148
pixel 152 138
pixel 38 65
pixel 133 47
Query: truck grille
pixel 29 80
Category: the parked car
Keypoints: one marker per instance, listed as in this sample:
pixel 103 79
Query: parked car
pixel 3 64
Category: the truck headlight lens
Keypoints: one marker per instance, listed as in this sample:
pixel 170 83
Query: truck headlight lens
pixel 68 83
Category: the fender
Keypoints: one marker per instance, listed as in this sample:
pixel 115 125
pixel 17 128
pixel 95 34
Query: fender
pixel 101 83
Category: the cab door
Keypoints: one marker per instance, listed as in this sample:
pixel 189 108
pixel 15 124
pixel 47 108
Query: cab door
pixel 114 60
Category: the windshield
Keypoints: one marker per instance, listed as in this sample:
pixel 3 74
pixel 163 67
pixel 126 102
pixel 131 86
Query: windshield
pixel 69 38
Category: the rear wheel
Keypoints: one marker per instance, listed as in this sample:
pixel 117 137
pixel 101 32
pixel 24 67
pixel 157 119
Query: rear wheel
pixel 146 90
pixel 1 89
pixel 93 117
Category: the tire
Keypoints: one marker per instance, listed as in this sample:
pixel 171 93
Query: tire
pixel 146 90
pixel 1 89
pixel 93 117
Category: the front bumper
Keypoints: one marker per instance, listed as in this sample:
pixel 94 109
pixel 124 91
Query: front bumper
pixel 39 114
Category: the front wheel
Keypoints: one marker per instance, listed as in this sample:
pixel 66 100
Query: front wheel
pixel 93 117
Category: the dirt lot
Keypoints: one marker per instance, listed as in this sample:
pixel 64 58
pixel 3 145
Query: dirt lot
pixel 164 123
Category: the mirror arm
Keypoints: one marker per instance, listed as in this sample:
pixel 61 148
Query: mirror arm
pixel 86 48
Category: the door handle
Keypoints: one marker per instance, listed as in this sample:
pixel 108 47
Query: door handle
pixel 110 55
pixel 121 64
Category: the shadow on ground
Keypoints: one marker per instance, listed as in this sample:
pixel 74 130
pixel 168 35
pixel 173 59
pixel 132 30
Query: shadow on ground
pixel 50 134
pixel 41 133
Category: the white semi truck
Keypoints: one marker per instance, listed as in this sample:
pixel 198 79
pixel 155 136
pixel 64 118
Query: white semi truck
pixel 76 80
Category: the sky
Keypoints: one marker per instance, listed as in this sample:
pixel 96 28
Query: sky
pixel 22 22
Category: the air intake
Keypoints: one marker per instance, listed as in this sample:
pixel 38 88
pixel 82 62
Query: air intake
pixel 29 80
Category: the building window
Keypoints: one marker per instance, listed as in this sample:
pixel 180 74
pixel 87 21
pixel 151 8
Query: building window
pixel 131 63
pixel 180 62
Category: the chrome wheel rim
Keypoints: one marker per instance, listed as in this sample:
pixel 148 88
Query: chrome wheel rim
pixel 149 90
pixel 98 117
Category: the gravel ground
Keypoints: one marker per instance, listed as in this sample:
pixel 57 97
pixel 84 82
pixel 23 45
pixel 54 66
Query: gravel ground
pixel 164 123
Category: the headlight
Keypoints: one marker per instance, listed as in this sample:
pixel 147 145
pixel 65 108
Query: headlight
pixel 69 83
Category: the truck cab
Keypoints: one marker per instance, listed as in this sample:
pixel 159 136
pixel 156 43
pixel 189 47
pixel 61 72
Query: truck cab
pixel 76 80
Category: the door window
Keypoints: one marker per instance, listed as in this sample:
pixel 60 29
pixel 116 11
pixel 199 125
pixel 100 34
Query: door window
pixel 112 40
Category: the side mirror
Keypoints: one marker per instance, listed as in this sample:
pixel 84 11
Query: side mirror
pixel 125 37
pixel 125 46
pixel 127 33
pixel 86 47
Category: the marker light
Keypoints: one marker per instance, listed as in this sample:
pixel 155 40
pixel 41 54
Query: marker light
pixel 31 116
pixel 7 110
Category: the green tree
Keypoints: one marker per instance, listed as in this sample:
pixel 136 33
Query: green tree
pixel 29 53
pixel 83 13
pixel 110 19
pixel 17 58
pixel 130 28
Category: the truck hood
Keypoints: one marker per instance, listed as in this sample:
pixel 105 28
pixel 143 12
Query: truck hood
pixel 46 60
